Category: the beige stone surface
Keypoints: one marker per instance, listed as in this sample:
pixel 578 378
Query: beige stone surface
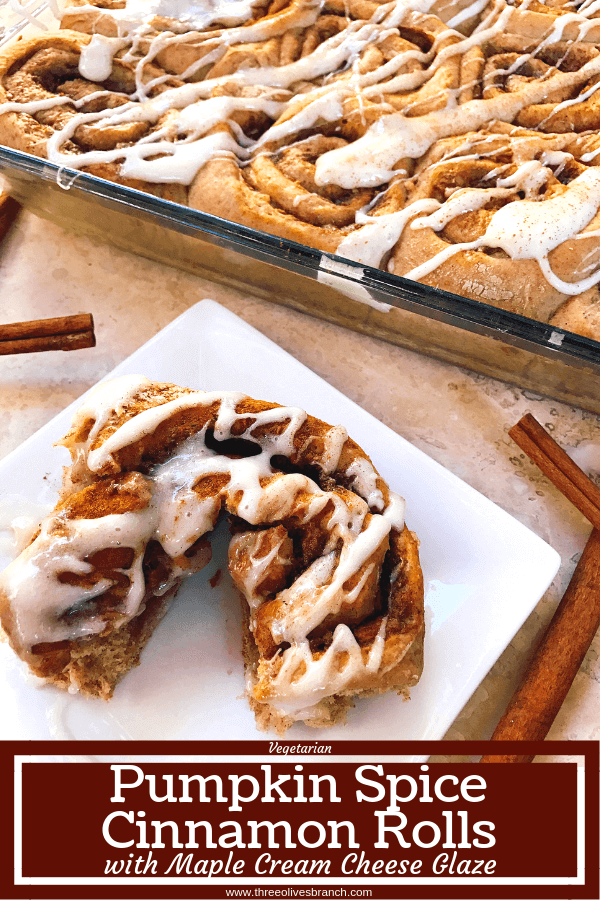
pixel 458 418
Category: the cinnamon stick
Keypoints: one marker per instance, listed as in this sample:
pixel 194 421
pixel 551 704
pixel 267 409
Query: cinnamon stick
pixel 567 639
pixel 558 658
pixel 558 467
pixel 9 210
pixel 62 333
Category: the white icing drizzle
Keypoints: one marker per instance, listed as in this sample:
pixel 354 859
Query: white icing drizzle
pixel 107 399
pixel 183 159
pixel 40 603
pixel 467 13
pixel 395 511
pixel 334 444
pixel 19 521
pixel 95 62
pixel 369 161
pixel 48 607
pixel 319 591
pixel 338 667
pixel 363 480
pixel 531 229
pixel 294 695
pixel 196 15
pixel 255 573
pixel 327 108
pixel 377 648
pixel 370 244
pixel 30 17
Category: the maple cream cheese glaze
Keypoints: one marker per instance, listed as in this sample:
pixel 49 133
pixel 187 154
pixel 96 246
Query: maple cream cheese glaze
pixel 319 550
pixel 452 142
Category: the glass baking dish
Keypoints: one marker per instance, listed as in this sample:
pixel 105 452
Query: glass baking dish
pixel 466 332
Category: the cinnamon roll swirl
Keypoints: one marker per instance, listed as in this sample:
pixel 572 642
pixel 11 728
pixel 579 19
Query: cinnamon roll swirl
pixel 44 94
pixel 494 229
pixel 277 193
pixel 510 62
pixel 320 552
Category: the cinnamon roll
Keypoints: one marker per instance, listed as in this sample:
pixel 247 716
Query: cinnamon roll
pixel 277 193
pixel 442 140
pixel 500 227
pixel 328 570
pixel 44 95
pixel 510 62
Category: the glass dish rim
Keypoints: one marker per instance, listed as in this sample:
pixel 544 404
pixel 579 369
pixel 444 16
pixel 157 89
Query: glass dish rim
pixel 527 334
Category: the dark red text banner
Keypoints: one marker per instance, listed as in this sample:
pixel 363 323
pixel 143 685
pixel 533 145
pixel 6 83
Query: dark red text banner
pixel 331 820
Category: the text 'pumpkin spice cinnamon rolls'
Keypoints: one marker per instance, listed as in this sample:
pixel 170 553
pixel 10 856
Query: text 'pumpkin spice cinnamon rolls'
pixel 453 142
pixel 329 572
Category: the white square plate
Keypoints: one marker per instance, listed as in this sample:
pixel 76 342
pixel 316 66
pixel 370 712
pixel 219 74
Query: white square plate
pixel 484 571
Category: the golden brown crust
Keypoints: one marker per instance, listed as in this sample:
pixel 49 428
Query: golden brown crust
pixel 21 130
pixel 95 667
pixel 220 189
pixel 580 314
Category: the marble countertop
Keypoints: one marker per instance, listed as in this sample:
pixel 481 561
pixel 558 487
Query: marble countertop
pixel 459 418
